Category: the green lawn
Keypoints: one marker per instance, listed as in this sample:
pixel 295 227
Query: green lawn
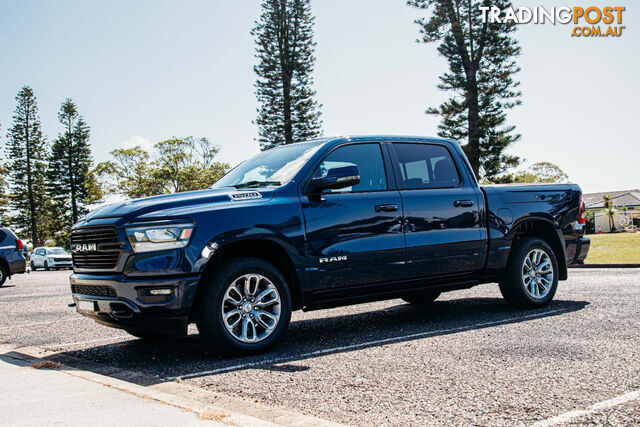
pixel 619 248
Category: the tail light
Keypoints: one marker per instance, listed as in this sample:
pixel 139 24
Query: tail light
pixel 19 245
pixel 582 215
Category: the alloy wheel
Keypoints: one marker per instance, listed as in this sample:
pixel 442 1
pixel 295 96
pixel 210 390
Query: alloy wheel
pixel 251 308
pixel 537 273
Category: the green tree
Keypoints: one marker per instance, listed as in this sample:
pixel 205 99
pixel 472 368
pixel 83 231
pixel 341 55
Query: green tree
pixel 288 111
pixel 26 151
pixel 129 173
pixel 69 167
pixel 541 172
pixel 187 164
pixel 480 78
pixel 4 199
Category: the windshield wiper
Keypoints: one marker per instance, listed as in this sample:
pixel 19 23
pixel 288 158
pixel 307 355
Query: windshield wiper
pixel 254 184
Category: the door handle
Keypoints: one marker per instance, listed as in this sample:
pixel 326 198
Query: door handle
pixel 386 208
pixel 463 203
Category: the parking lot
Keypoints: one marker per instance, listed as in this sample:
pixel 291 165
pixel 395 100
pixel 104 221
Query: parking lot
pixel 467 359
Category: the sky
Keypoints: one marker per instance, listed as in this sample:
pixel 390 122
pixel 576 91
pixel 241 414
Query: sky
pixel 144 71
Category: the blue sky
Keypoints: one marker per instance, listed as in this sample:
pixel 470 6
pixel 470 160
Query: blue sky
pixel 144 71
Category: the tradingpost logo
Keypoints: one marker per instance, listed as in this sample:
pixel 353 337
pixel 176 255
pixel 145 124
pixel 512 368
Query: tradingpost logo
pixel 587 21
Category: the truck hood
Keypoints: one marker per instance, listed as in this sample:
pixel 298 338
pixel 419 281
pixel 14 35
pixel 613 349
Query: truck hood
pixel 180 204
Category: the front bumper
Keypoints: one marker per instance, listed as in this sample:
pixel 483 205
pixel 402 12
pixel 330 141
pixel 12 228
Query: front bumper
pixel 577 250
pixel 122 302
pixel 61 264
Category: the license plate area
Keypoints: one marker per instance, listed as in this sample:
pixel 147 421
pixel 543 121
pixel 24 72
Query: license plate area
pixel 87 306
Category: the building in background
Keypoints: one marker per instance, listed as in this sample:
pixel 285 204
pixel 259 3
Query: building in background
pixel 626 216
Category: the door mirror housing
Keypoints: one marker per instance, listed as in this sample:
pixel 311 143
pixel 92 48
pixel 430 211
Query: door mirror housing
pixel 336 178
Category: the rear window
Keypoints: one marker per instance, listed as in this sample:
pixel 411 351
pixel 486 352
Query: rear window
pixel 426 166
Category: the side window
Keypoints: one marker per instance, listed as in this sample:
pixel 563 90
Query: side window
pixel 426 166
pixel 40 252
pixel 368 159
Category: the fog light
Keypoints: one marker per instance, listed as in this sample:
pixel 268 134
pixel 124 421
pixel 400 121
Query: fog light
pixel 164 291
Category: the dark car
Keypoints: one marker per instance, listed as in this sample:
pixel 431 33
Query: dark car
pixel 319 224
pixel 12 258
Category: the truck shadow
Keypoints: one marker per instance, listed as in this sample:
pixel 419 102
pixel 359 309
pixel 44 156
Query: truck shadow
pixel 148 363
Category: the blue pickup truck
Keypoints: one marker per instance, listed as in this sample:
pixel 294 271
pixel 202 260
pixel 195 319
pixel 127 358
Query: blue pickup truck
pixel 319 224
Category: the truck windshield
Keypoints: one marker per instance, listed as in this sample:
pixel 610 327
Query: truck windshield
pixel 273 167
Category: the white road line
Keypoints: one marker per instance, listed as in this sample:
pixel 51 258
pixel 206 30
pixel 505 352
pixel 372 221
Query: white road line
pixel 363 344
pixel 605 404
pixel 26 325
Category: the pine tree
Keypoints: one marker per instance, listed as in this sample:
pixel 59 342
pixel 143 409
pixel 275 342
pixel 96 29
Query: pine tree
pixel 26 152
pixel 4 200
pixel 288 111
pixel 481 68
pixel 69 166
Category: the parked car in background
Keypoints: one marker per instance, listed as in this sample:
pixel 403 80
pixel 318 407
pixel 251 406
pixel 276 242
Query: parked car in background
pixel 48 258
pixel 12 260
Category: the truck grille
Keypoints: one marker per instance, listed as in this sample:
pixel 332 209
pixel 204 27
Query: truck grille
pixel 103 256
pixel 99 291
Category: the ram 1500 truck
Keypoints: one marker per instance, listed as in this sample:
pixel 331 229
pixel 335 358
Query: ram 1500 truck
pixel 319 224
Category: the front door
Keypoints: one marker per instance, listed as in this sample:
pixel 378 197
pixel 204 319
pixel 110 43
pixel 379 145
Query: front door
pixel 443 228
pixel 355 234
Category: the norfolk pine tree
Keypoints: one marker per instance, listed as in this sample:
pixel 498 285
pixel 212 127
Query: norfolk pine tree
pixel 287 110
pixel 69 166
pixel 480 77
pixel 26 153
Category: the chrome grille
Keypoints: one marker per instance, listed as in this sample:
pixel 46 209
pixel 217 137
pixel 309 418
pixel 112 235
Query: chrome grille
pixel 107 252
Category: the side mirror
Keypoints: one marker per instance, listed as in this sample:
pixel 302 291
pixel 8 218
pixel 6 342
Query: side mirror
pixel 337 178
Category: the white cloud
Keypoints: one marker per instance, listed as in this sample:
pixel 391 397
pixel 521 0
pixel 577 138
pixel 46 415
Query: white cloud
pixel 140 140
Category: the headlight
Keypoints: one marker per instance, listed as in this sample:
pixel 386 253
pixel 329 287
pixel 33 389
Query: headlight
pixel 157 238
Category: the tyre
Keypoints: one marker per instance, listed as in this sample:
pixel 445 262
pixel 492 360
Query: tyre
pixel 244 306
pixel 3 274
pixel 46 266
pixel 33 267
pixel 422 298
pixel 531 278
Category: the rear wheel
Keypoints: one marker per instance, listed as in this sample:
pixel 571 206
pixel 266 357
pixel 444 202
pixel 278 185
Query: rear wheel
pixel 3 274
pixel 245 306
pixel 531 278
pixel 422 298
pixel 33 266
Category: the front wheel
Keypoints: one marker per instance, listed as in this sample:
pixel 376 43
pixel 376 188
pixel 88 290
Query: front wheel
pixel 531 278
pixel 46 266
pixel 244 306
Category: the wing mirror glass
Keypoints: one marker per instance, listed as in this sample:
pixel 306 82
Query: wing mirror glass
pixel 337 178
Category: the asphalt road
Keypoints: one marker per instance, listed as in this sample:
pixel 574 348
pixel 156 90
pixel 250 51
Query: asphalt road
pixel 467 359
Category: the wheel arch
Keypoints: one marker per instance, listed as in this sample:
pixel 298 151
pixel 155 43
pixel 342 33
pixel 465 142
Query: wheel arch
pixel 263 248
pixel 544 229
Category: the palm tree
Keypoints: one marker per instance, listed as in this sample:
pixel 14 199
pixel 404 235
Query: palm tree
pixel 610 210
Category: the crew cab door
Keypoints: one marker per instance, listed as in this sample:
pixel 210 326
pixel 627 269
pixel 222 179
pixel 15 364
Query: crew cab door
pixel 442 219
pixel 354 234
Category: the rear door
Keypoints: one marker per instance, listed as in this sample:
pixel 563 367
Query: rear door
pixel 442 224
pixel 354 235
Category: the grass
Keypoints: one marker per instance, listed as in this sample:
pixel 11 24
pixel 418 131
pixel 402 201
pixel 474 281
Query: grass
pixel 618 248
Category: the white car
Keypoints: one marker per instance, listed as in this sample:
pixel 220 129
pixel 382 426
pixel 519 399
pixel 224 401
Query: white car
pixel 48 258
